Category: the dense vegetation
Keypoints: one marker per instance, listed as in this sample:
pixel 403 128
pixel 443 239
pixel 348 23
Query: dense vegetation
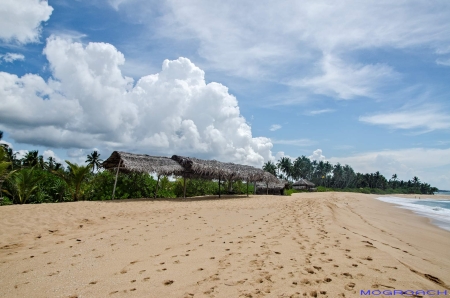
pixel 330 177
pixel 32 179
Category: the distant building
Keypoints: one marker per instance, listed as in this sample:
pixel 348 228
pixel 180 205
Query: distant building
pixel 263 188
pixel 304 184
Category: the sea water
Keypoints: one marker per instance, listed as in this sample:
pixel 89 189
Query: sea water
pixel 436 210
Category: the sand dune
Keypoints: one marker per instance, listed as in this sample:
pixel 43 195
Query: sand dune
pixel 313 245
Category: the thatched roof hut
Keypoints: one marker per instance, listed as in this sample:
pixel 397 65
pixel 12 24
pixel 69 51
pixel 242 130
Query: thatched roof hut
pixel 274 188
pixel 303 184
pixel 189 167
pixel 213 169
pixel 143 163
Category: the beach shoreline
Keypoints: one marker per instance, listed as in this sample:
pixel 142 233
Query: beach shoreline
pixel 314 244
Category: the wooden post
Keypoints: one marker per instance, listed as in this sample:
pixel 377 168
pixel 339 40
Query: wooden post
pixel 254 187
pixel 219 185
pixel 184 191
pixel 267 188
pixel 156 190
pixel 115 182
pixel 247 187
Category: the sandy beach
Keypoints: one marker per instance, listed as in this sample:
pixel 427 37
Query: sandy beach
pixel 310 244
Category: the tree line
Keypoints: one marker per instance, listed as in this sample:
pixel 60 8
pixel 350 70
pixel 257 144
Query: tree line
pixel 33 179
pixel 339 177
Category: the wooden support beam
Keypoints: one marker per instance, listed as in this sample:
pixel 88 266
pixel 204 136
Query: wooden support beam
pixel 156 190
pixel 115 181
pixel 184 191
pixel 219 186
pixel 247 187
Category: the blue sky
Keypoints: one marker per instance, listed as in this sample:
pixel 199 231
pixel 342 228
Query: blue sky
pixel 360 83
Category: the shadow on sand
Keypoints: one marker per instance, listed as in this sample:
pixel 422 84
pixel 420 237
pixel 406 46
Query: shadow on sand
pixel 190 199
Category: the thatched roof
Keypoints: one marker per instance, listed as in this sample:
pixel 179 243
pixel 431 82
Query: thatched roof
pixel 213 169
pixel 186 166
pixel 279 184
pixel 143 163
pixel 303 182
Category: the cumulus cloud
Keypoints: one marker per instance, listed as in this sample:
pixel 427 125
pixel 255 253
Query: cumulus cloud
pixel 430 165
pixel 317 155
pixel 11 57
pixel 49 153
pixel 274 127
pixel 20 21
pixel 427 118
pixel 88 102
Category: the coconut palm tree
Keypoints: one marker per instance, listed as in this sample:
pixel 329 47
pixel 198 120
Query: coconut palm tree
pixel 50 163
pixel 74 178
pixel 270 167
pixel 24 184
pixel 31 158
pixel 285 165
pixel 393 181
pixel 94 160
pixel 4 168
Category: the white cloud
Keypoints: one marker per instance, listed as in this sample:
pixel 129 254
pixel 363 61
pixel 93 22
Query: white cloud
pixel 445 62
pixel 274 127
pixel 346 81
pixel 50 153
pixel 295 142
pixel 88 102
pixel 427 118
pixel 20 153
pixel 281 36
pixel 429 164
pixel 318 112
pixel 11 57
pixel 6 143
pixel 317 155
pixel 21 20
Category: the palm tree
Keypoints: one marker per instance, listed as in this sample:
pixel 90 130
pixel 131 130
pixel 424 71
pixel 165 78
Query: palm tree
pixel 94 160
pixel 4 166
pixel 74 178
pixel 23 184
pixel 270 167
pixel 394 181
pixel 31 158
pixel 285 165
pixel 50 164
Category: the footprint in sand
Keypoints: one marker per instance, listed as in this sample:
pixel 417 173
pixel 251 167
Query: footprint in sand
pixel 349 286
pixel 346 274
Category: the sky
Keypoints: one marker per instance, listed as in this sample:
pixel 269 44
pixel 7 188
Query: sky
pixel 364 83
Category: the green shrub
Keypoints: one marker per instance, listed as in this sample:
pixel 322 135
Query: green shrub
pixel 289 192
pixel 5 201
pixel 322 189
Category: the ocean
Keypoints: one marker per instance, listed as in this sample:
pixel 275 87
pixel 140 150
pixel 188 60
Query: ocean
pixel 436 210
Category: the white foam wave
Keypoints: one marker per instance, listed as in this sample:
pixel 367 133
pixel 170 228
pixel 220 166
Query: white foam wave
pixel 438 215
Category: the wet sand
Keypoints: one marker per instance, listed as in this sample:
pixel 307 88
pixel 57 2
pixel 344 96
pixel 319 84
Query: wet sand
pixel 306 245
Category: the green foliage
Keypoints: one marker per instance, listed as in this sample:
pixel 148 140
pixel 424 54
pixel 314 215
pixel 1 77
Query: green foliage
pixel 289 192
pixel 5 201
pixel 322 189
pixel 75 176
pixel 24 184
